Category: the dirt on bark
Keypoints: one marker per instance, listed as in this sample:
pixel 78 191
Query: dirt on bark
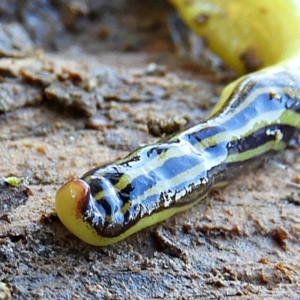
pixel 82 84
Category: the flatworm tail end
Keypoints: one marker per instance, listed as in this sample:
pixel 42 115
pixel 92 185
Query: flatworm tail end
pixel 71 200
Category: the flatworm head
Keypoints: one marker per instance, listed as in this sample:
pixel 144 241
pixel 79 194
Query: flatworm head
pixel 70 203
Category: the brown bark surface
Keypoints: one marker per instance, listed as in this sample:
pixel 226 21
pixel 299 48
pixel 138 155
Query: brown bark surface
pixel 89 102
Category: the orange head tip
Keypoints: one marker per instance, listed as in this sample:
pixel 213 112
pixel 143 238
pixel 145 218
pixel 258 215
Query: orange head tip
pixel 72 198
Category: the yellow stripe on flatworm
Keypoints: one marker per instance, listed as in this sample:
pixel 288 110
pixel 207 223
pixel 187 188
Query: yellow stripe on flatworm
pixel 240 157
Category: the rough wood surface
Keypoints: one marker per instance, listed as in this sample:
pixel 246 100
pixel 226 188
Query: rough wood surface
pixel 77 111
